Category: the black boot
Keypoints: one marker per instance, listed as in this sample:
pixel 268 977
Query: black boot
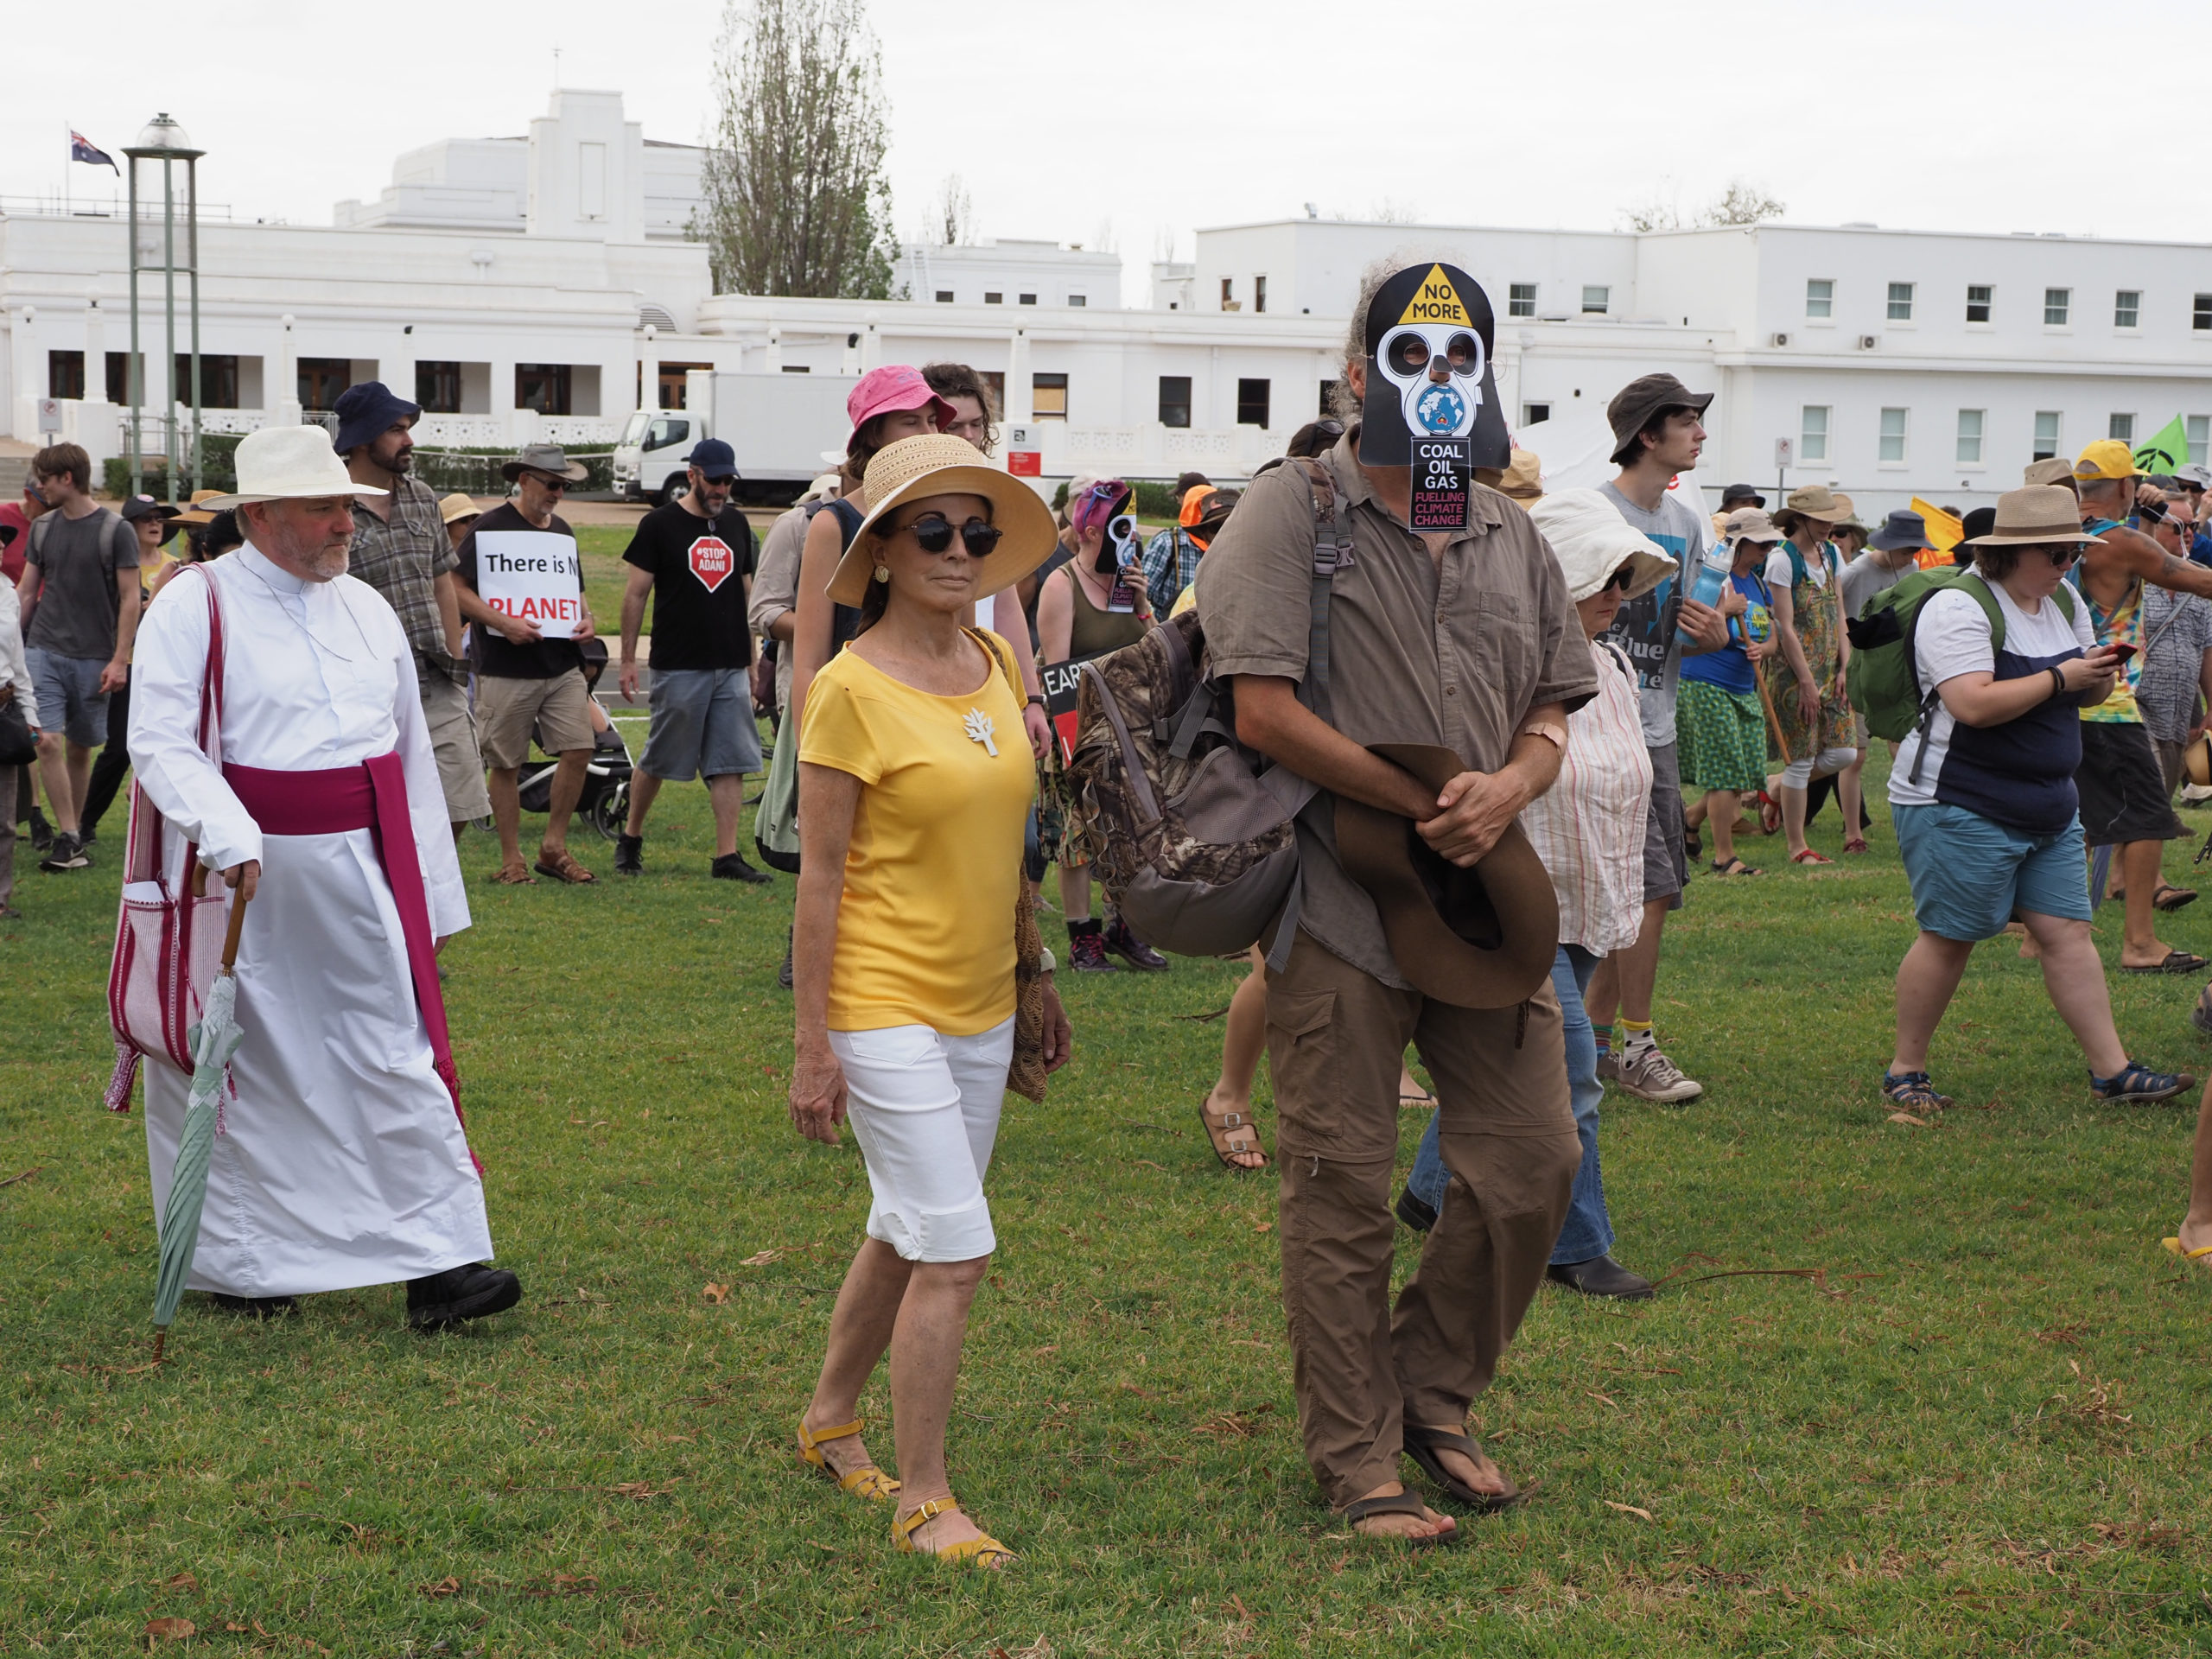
pixel 467 1291
pixel 732 867
pixel 1601 1276
pixel 629 855
pixel 1415 1212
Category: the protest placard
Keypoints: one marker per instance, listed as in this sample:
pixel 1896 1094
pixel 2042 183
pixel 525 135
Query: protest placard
pixel 534 574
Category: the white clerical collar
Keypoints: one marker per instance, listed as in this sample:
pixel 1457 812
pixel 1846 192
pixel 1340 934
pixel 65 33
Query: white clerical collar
pixel 279 579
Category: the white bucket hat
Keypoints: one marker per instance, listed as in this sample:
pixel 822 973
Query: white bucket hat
pixel 288 463
pixel 1592 540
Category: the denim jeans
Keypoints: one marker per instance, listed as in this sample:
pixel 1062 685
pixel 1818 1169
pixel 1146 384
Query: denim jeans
pixel 1588 1231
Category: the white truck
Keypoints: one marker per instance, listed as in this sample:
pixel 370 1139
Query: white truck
pixel 779 425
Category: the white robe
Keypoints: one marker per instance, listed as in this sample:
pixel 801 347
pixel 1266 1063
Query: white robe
pixel 341 1163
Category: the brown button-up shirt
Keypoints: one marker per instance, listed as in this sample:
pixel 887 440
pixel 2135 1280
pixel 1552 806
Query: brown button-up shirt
pixel 401 558
pixel 1453 650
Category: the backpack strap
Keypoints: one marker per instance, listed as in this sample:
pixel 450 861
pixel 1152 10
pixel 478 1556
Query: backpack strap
pixel 1983 596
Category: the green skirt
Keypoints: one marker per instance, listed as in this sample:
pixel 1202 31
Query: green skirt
pixel 1720 737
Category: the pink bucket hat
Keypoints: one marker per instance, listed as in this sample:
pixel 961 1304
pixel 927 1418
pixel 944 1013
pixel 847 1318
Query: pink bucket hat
pixel 894 387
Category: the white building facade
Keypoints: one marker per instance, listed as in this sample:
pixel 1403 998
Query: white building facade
pixel 544 285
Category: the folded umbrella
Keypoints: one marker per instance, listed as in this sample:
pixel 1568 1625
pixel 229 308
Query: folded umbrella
pixel 213 1040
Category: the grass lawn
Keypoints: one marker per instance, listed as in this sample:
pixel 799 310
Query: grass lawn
pixel 1956 1401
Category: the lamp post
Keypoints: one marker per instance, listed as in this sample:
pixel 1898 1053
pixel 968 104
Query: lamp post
pixel 155 248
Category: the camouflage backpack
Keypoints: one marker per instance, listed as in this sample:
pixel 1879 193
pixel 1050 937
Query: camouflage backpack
pixel 1193 834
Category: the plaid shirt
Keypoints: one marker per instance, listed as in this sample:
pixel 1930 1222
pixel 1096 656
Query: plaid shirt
pixel 1171 559
pixel 402 558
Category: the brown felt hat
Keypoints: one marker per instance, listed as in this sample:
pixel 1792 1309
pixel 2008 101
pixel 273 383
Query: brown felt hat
pixel 1479 938
pixel 1635 403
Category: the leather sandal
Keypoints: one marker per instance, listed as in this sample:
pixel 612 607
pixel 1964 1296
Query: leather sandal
pixel 1398 1503
pixel 985 1551
pixel 1230 1133
pixel 867 1481
pixel 561 865
pixel 1421 1444
pixel 513 875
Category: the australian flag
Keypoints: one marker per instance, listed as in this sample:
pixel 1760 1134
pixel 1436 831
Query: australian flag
pixel 82 149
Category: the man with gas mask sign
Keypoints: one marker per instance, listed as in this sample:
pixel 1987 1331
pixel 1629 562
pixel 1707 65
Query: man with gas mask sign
pixel 1421 678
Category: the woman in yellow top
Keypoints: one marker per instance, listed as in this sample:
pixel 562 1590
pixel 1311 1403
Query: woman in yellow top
pixel 915 779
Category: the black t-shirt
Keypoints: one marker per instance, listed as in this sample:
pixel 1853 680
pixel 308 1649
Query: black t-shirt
pixel 699 570
pixel 495 656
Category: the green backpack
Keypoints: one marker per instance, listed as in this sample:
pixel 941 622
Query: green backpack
pixel 1885 678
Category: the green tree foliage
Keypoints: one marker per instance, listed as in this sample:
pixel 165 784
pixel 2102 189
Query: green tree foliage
pixel 797 200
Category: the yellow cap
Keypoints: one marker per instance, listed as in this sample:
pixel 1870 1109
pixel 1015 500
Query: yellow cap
pixel 2106 458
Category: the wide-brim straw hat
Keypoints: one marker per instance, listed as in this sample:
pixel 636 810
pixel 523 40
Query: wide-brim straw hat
pixel 1816 502
pixel 196 511
pixel 1750 525
pixel 937 463
pixel 457 506
pixel 1592 540
pixel 2035 514
pixel 288 463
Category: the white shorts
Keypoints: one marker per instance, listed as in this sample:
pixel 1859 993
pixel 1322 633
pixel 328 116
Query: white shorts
pixel 924 1107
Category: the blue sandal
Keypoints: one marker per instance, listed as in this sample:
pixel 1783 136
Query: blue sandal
pixel 1912 1091
pixel 2139 1086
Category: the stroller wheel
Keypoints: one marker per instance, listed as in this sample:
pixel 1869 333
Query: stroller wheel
pixel 611 811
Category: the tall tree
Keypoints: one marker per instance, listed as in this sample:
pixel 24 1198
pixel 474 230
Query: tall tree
pixel 797 201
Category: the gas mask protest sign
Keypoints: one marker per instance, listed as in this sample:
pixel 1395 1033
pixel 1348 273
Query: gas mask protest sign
pixel 1432 402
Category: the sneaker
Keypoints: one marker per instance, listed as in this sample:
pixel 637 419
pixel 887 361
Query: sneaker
pixel 66 856
pixel 732 867
pixel 1912 1091
pixel 1133 950
pixel 1649 1075
pixel 41 831
pixel 2139 1086
pixel 86 835
pixel 1415 1212
pixel 629 855
pixel 1087 954
pixel 1608 1066
pixel 469 1292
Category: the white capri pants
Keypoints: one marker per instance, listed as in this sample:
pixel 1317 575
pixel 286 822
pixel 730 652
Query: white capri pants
pixel 1799 773
pixel 924 1107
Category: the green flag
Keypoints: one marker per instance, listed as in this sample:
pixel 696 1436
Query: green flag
pixel 2167 449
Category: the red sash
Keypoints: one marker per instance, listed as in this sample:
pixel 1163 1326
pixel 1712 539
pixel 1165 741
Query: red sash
pixel 372 796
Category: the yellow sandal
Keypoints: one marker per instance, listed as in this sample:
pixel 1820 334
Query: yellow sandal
pixel 985 1551
pixel 2202 1256
pixel 867 1480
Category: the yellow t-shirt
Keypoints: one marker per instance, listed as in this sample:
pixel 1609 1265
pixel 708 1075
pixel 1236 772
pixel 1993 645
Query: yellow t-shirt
pixel 926 928
pixel 1185 601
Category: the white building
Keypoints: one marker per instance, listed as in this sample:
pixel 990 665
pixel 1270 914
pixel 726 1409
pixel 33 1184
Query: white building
pixel 543 285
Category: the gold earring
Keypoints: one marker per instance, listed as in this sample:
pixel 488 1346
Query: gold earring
pixel 882 573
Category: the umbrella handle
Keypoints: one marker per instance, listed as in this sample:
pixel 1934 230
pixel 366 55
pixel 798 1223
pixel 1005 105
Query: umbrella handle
pixel 231 938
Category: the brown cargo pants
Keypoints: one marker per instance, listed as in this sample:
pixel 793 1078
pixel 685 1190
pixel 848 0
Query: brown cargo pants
pixel 1335 1039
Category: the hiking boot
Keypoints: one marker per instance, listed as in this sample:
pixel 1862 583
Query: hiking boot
pixel 469 1292
pixel 1601 1276
pixel 1649 1075
pixel 1133 950
pixel 42 832
pixel 1415 1212
pixel 66 856
pixel 732 867
pixel 629 855
pixel 254 1307
pixel 1087 954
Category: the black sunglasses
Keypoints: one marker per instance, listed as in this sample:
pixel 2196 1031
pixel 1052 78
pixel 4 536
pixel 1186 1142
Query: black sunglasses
pixel 726 481
pixel 933 532
pixel 549 481
pixel 1620 579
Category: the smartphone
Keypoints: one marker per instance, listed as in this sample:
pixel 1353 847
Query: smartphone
pixel 2122 651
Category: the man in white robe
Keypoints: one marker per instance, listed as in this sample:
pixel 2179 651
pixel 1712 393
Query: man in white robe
pixel 343 1160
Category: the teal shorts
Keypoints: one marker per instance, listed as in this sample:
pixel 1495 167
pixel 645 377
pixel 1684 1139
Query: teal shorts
pixel 1970 874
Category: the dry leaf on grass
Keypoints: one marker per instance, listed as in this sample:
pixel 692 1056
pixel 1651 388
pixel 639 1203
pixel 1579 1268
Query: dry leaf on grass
pixel 444 1587
pixel 765 1257
pixel 170 1629
pixel 638 1491
pixel 715 1293
pixel 1907 1117
pixel 1609 1400
pixel 1627 1508
pixel 183 1581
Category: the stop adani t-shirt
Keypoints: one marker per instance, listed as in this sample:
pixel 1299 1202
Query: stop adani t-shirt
pixel 699 569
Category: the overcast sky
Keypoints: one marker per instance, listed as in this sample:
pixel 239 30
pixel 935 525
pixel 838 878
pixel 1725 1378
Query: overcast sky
pixel 1145 119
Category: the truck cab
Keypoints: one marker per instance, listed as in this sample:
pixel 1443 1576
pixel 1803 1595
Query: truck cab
pixel 649 462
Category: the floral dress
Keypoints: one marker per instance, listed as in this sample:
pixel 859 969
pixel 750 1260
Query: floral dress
pixel 1817 613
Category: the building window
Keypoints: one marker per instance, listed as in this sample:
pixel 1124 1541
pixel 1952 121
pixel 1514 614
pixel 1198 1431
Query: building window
pixel 118 375
pixel 1174 400
pixel 1229 292
pixel 2046 434
pixel 322 378
pixel 1813 433
pixel 2127 308
pixel 1595 298
pixel 1977 301
pixel 1328 409
pixel 799 368
pixel 1029 299
pixel 2058 306
pixel 1534 414
pixel 944 296
pixel 64 374
pixel 1079 299
pixel 437 387
pixel 1048 397
pixel 1521 300
pixel 673 386
pixel 1970 425
pixel 993 297
pixel 2121 427
pixel 2200 311
pixel 2199 430
pixel 1260 296
pixel 219 379
pixel 542 386
pixel 1820 296
pixel 1892 439
pixel 1900 302
pixel 1252 403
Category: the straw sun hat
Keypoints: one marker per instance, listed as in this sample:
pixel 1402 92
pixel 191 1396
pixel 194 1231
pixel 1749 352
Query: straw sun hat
pixel 939 464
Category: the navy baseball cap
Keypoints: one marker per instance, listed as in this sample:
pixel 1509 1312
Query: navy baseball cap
pixel 714 458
